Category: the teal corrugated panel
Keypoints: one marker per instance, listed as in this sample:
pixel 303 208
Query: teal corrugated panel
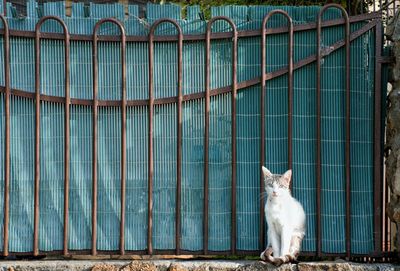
pixel 27 24
pixel 2 164
pixel 52 72
pixel 164 181
pixel 238 14
pixel 220 63
pixel 80 190
pixel 22 64
pixel 192 194
pixel 136 26
pixel 137 62
pixel 304 145
pixel 107 10
pixel 110 69
pixel 22 174
pixel 155 11
pixel 248 169
pixel 133 10
pixel 82 26
pixel 136 213
pixel 193 72
pixel 362 143
pixel 249 58
pixel 193 12
pixel 165 69
pixel 31 9
pixel 77 10
pixel 54 8
pixel 81 73
pixel 220 173
pixel 333 153
pixel 109 178
pixel 51 189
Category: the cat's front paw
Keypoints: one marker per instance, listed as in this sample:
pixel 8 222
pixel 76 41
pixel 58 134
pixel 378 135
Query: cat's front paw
pixel 266 254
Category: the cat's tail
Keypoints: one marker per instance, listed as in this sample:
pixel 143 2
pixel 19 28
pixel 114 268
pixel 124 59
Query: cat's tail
pixel 294 252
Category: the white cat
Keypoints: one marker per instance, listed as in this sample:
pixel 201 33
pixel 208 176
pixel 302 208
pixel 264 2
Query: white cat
pixel 285 218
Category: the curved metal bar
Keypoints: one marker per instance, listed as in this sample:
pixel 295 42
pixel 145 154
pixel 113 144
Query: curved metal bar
pixel 179 129
pixel 262 106
pixel 233 131
pixel 347 145
pixel 37 132
pixel 6 38
pixel 123 134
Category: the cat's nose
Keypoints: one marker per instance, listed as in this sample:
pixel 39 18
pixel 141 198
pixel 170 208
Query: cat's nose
pixel 274 194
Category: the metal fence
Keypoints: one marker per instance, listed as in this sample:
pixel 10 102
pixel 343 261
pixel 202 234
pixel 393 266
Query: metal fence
pixel 150 140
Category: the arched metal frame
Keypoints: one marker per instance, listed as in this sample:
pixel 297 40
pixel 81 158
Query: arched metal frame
pixel 37 131
pixel 347 124
pixel 95 103
pixel 179 129
pixel 6 38
pixel 123 104
pixel 233 90
pixel 262 105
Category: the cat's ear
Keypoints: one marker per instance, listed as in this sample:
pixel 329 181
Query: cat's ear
pixel 266 172
pixel 287 177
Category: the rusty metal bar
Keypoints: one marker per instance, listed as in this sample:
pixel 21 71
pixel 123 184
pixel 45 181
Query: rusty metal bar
pixel 67 102
pixel 150 147
pixel 206 138
pixel 179 124
pixel 6 39
pixel 123 104
pixel 233 90
pixel 378 181
pixel 262 105
pixel 5 8
pixel 347 125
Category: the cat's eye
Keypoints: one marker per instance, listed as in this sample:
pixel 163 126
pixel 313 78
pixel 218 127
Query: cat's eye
pixel 270 185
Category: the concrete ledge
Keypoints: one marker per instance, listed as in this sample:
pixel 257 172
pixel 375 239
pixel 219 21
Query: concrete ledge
pixel 189 265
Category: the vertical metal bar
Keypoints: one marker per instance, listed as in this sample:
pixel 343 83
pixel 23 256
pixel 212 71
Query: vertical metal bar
pixel 233 132
pixel 150 148
pixel 206 138
pixel 6 38
pixel 347 134
pixel 378 182
pixel 233 136
pixel 123 141
pixel 66 138
pixel 5 8
pixel 123 134
pixel 290 101
pixel 94 146
pixel 179 131
pixel 37 142
pixel 262 132
pixel 348 4
pixel 179 146
pixel 290 96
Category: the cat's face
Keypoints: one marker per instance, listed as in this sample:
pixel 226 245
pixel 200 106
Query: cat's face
pixel 276 185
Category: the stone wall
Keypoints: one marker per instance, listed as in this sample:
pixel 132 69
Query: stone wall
pixel 392 147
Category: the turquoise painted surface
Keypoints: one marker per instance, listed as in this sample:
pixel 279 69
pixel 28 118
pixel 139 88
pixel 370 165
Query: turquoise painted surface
pixel 164 180
pixel 109 178
pixel 164 125
pixel 51 188
pixel 192 195
pixel 22 174
pixel 80 190
pixel 136 213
